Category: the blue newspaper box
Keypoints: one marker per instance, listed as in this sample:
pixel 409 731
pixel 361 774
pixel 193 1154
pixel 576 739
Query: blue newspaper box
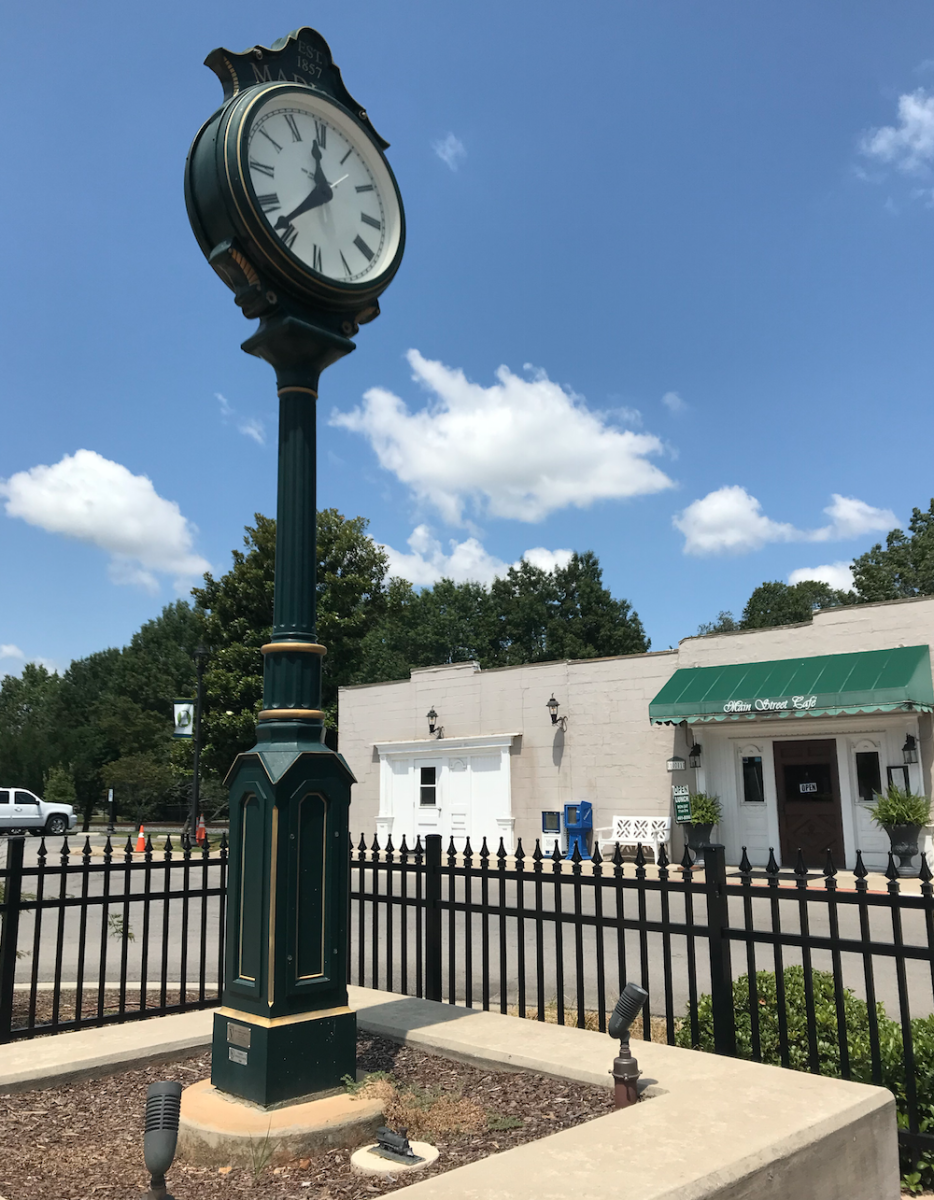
pixel 578 821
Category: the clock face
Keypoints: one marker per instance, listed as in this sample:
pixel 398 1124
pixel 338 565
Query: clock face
pixel 321 188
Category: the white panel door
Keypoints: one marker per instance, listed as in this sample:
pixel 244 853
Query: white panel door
pixel 489 794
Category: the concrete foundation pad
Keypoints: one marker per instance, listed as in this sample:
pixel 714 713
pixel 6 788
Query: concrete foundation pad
pixel 218 1130
pixel 366 1161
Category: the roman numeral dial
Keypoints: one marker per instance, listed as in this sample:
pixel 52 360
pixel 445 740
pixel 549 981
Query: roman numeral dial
pixel 320 190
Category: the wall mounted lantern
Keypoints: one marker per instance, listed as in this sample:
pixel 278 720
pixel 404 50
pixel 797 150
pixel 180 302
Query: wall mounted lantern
pixel 432 719
pixel 552 707
pixel 676 763
pixel 910 749
pixel 694 756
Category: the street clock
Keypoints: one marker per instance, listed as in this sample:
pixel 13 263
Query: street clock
pixel 288 188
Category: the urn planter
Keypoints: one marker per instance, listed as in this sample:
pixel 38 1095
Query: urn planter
pixel 904 839
pixel 698 835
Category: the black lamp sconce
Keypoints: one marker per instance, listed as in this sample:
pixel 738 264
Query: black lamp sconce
pixel 910 749
pixel 434 728
pixel 694 756
pixel 552 707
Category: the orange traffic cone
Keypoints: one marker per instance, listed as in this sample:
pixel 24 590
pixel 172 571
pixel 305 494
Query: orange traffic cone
pixel 141 840
pixel 202 835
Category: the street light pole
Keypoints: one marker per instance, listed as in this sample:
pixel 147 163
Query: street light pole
pixel 200 655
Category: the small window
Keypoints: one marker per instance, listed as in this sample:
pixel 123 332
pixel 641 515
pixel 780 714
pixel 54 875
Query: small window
pixel 24 798
pixel 4 796
pixel 868 775
pixel 428 793
pixel 551 822
pixel 752 779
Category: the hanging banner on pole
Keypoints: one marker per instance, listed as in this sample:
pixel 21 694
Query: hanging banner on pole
pixel 184 718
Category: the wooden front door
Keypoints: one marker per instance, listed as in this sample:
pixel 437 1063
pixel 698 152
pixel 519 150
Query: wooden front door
pixel 808 789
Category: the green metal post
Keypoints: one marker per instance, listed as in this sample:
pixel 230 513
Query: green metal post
pixel 285 1031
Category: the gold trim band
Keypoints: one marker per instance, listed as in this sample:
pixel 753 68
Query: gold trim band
pixel 269 714
pixel 271 1022
pixel 298 647
pixel 307 391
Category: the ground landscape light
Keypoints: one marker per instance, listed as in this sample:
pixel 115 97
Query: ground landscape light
pixel 625 1069
pixel 910 749
pixel 163 1108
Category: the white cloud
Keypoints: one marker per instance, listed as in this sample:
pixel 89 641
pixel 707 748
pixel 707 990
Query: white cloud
pixel 254 428
pixel 730 521
pixel 467 560
pixel 909 144
pixel 251 427
pixel 838 575
pixel 850 518
pixel 90 498
pixel 547 560
pixel 451 150
pixel 8 650
pixel 520 449
pixel 673 402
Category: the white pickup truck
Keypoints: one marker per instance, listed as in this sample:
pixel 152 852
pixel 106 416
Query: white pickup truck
pixel 21 810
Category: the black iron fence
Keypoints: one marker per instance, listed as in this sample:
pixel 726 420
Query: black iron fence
pixel 834 980
pixel 101 936
pixel 785 967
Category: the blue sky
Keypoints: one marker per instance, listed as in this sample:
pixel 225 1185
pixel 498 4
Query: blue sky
pixel 667 295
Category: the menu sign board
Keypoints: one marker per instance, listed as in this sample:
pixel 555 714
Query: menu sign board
pixel 681 795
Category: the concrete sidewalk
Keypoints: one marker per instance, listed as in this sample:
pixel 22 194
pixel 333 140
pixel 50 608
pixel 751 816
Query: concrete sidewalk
pixel 715 1128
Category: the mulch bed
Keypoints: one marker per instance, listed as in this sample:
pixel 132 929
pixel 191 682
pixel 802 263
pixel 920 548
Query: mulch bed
pixel 86 1139
pixel 67 998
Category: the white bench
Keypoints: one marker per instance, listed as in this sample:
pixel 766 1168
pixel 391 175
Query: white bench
pixel 650 832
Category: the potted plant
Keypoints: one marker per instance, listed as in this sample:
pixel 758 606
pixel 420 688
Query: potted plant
pixel 706 812
pixel 902 815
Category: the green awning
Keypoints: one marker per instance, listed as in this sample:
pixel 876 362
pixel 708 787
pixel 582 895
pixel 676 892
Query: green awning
pixel 828 685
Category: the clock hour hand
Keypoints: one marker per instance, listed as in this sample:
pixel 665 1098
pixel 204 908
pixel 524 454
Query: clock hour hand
pixel 320 194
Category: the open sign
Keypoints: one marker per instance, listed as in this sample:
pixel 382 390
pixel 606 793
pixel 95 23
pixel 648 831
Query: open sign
pixel 807 787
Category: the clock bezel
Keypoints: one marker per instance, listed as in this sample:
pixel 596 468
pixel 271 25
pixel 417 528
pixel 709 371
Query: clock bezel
pixel 254 227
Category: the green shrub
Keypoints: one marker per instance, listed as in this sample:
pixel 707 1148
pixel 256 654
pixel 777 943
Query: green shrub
pixel 900 806
pixel 856 1021
pixel 705 810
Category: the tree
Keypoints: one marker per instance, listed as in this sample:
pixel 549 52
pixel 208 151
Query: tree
pixel 59 786
pixel 29 738
pixel 787 604
pixel 142 783
pixel 351 597
pixel 84 744
pixel 725 623
pixel 523 602
pixel 586 621
pixel 905 567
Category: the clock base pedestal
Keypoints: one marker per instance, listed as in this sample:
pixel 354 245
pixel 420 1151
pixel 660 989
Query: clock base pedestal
pixel 277 1063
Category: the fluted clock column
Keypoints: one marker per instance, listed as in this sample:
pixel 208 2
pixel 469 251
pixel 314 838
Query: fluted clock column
pixel 285 1031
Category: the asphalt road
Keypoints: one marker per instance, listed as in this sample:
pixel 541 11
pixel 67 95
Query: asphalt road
pixel 170 939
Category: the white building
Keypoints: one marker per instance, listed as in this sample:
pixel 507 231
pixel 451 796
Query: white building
pixel 796 725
